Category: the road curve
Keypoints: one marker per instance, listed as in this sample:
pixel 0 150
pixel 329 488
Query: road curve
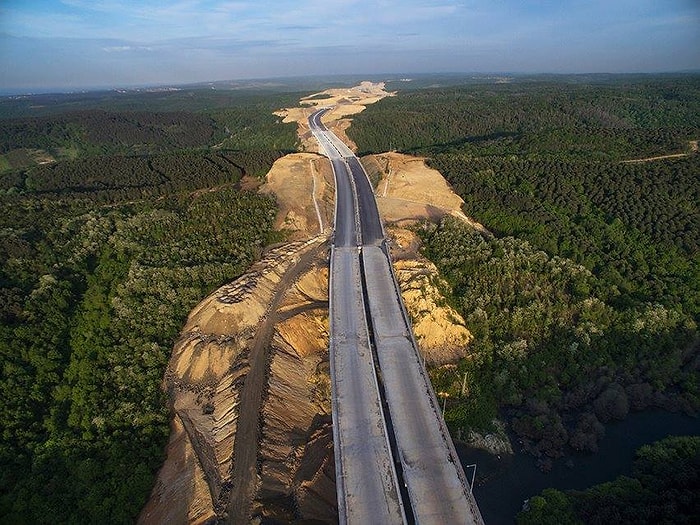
pixel 367 484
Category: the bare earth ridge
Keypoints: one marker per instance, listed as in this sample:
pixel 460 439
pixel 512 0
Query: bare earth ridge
pixel 248 378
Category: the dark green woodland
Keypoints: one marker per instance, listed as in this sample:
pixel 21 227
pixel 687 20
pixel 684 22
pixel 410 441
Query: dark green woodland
pixel 664 487
pixel 585 301
pixel 104 250
pixel 120 212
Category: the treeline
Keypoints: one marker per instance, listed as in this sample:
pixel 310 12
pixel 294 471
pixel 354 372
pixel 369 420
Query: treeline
pixel 109 132
pixel 117 177
pixel 594 122
pixel 94 132
pixel 92 304
pixel 264 97
pixel 585 304
pixel 636 226
pixel 102 258
pixel 664 487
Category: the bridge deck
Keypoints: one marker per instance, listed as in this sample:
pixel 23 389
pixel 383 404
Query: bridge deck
pixel 431 470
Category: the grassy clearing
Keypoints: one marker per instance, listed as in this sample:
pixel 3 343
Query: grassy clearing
pixel 4 163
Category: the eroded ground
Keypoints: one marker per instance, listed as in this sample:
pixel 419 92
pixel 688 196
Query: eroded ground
pixel 345 102
pixel 248 379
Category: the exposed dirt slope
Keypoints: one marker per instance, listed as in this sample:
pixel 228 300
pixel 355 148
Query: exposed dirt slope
pixel 345 102
pixel 440 331
pixel 408 190
pixel 217 381
pixel 248 379
pixel 296 180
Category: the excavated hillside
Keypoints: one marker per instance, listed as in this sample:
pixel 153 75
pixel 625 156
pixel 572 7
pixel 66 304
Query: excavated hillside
pixel 248 379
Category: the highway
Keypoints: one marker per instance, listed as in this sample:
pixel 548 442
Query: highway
pixel 366 480
pixel 395 461
pixel 364 468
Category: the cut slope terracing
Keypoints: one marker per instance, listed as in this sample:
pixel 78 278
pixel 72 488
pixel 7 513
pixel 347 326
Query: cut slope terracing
pixel 248 379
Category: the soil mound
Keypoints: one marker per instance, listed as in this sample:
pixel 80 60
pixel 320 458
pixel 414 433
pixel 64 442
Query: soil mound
pixel 248 380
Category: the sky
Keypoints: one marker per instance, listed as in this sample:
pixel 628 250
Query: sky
pixel 72 44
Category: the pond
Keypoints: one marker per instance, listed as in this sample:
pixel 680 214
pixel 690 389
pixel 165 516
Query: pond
pixel 502 485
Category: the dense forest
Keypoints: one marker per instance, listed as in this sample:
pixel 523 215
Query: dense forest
pixel 585 302
pixel 63 127
pixel 614 120
pixel 104 252
pixel 664 487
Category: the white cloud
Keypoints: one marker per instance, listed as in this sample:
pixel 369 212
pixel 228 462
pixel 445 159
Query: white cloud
pixel 122 49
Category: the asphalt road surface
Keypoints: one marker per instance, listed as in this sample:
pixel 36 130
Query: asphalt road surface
pixel 395 462
pixel 367 484
pixel 365 474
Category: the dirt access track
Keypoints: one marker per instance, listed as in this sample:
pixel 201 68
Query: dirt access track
pixel 692 144
pixel 248 382
pixel 344 103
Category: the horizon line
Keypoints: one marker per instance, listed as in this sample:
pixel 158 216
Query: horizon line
pixel 8 92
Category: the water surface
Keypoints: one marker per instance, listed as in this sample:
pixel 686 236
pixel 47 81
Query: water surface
pixel 502 485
